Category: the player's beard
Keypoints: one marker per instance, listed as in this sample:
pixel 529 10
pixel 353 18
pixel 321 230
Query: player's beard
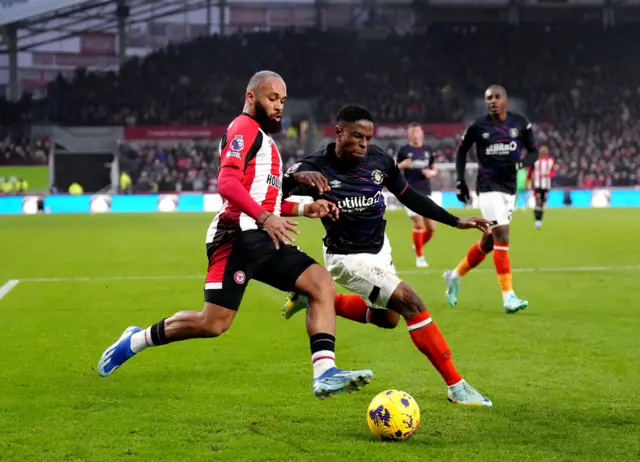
pixel 268 124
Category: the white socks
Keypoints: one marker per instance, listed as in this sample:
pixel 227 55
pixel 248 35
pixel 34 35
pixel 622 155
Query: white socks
pixel 141 340
pixel 322 362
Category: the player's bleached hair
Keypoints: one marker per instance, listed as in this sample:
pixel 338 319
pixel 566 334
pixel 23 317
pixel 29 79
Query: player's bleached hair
pixel 259 77
pixel 353 113
pixel 499 88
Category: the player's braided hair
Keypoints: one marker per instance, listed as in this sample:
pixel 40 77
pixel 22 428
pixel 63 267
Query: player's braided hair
pixel 352 113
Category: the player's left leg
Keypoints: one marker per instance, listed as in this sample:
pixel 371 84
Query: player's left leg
pixel 429 341
pixel 430 226
pixel 419 237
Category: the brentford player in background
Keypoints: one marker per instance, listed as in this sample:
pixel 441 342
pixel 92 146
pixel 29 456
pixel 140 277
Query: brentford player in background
pixel 539 177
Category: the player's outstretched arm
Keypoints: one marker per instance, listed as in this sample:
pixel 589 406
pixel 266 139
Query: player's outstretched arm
pixel 318 209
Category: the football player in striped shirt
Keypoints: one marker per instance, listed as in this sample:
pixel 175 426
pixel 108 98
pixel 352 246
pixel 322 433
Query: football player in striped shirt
pixel 539 176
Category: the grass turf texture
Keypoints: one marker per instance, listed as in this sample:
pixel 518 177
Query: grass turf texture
pixel 563 374
pixel 37 176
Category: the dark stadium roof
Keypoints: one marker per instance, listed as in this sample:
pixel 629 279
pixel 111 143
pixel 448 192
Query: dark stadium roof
pixel 79 17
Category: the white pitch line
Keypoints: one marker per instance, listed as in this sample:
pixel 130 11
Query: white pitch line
pixel 6 288
pixel 559 269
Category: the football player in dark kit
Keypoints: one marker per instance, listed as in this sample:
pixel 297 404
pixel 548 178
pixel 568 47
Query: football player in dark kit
pixel 351 173
pixel 417 162
pixel 500 137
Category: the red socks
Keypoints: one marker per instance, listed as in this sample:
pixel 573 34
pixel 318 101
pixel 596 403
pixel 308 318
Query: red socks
pixel 428 234
pixel 427 338
pixel 419 235
pixel 352 307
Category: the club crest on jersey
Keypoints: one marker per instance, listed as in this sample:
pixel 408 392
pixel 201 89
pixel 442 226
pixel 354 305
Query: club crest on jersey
pixel 293 168
pixel 485 136
pixel 377 176
pixel 513 132
pixel 237 143
pixel 335 183
pixel 240 277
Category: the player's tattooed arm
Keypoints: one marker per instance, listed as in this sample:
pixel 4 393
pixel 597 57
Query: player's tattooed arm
pixel 529 144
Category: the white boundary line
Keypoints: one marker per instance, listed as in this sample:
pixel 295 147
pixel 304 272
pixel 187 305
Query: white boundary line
pixel 6 288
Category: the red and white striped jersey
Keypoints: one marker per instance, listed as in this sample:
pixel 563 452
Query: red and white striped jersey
pixel 246 146
pixel 541 173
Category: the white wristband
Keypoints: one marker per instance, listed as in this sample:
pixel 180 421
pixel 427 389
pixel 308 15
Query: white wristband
pixel 301 209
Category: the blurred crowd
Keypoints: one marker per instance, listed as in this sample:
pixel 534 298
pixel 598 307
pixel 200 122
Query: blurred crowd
pixel 582 81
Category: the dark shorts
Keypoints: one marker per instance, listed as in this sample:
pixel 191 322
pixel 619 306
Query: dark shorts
pixel 247 255
pixel 542 194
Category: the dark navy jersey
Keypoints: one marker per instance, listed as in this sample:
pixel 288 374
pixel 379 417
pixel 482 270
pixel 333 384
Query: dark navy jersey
pixel 499 147
pixel 357 191
pixel 422 157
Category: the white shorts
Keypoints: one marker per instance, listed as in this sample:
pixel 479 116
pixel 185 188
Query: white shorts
pixel 497 206
pixel 411 213
pixel 372 276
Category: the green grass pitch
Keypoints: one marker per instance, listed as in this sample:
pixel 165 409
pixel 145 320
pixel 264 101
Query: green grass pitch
pixel 563 374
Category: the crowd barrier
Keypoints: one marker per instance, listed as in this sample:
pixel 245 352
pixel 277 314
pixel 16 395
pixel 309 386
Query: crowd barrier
pixel 151 203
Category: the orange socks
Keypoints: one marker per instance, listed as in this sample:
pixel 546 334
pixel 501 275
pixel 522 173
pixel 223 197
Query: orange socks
pixel 419 240
pixel 503 267
pixel 352 307
pixel 427 338
pixel 474 257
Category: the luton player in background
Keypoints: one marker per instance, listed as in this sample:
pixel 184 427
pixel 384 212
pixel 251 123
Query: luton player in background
pixel 539 177
pixel 417 161
pixel 248 239
pixel 500 136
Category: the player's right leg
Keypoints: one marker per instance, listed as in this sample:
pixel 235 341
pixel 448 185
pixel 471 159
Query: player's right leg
pixel 228 268
pixel 538 212
pixel 292 270
pixel 419 237
pixel 475 255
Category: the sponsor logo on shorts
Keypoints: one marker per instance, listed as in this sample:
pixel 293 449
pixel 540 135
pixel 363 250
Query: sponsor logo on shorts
pixel 377 271
pixel 240 277
pixel 235 154
pixel 237 143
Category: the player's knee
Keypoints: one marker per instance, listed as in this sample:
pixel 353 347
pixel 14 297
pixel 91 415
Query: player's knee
pixel 406 302
pixel 386 319
pixel 321 287
pixel 213 324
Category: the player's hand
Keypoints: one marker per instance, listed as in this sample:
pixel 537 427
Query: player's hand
pixel 473 222
pixel 320 209
pixel 279 228
pixel 462 192
pixel 316 179
pixel 428 173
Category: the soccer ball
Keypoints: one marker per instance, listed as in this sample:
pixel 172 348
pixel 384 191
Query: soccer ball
pixel 393 415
